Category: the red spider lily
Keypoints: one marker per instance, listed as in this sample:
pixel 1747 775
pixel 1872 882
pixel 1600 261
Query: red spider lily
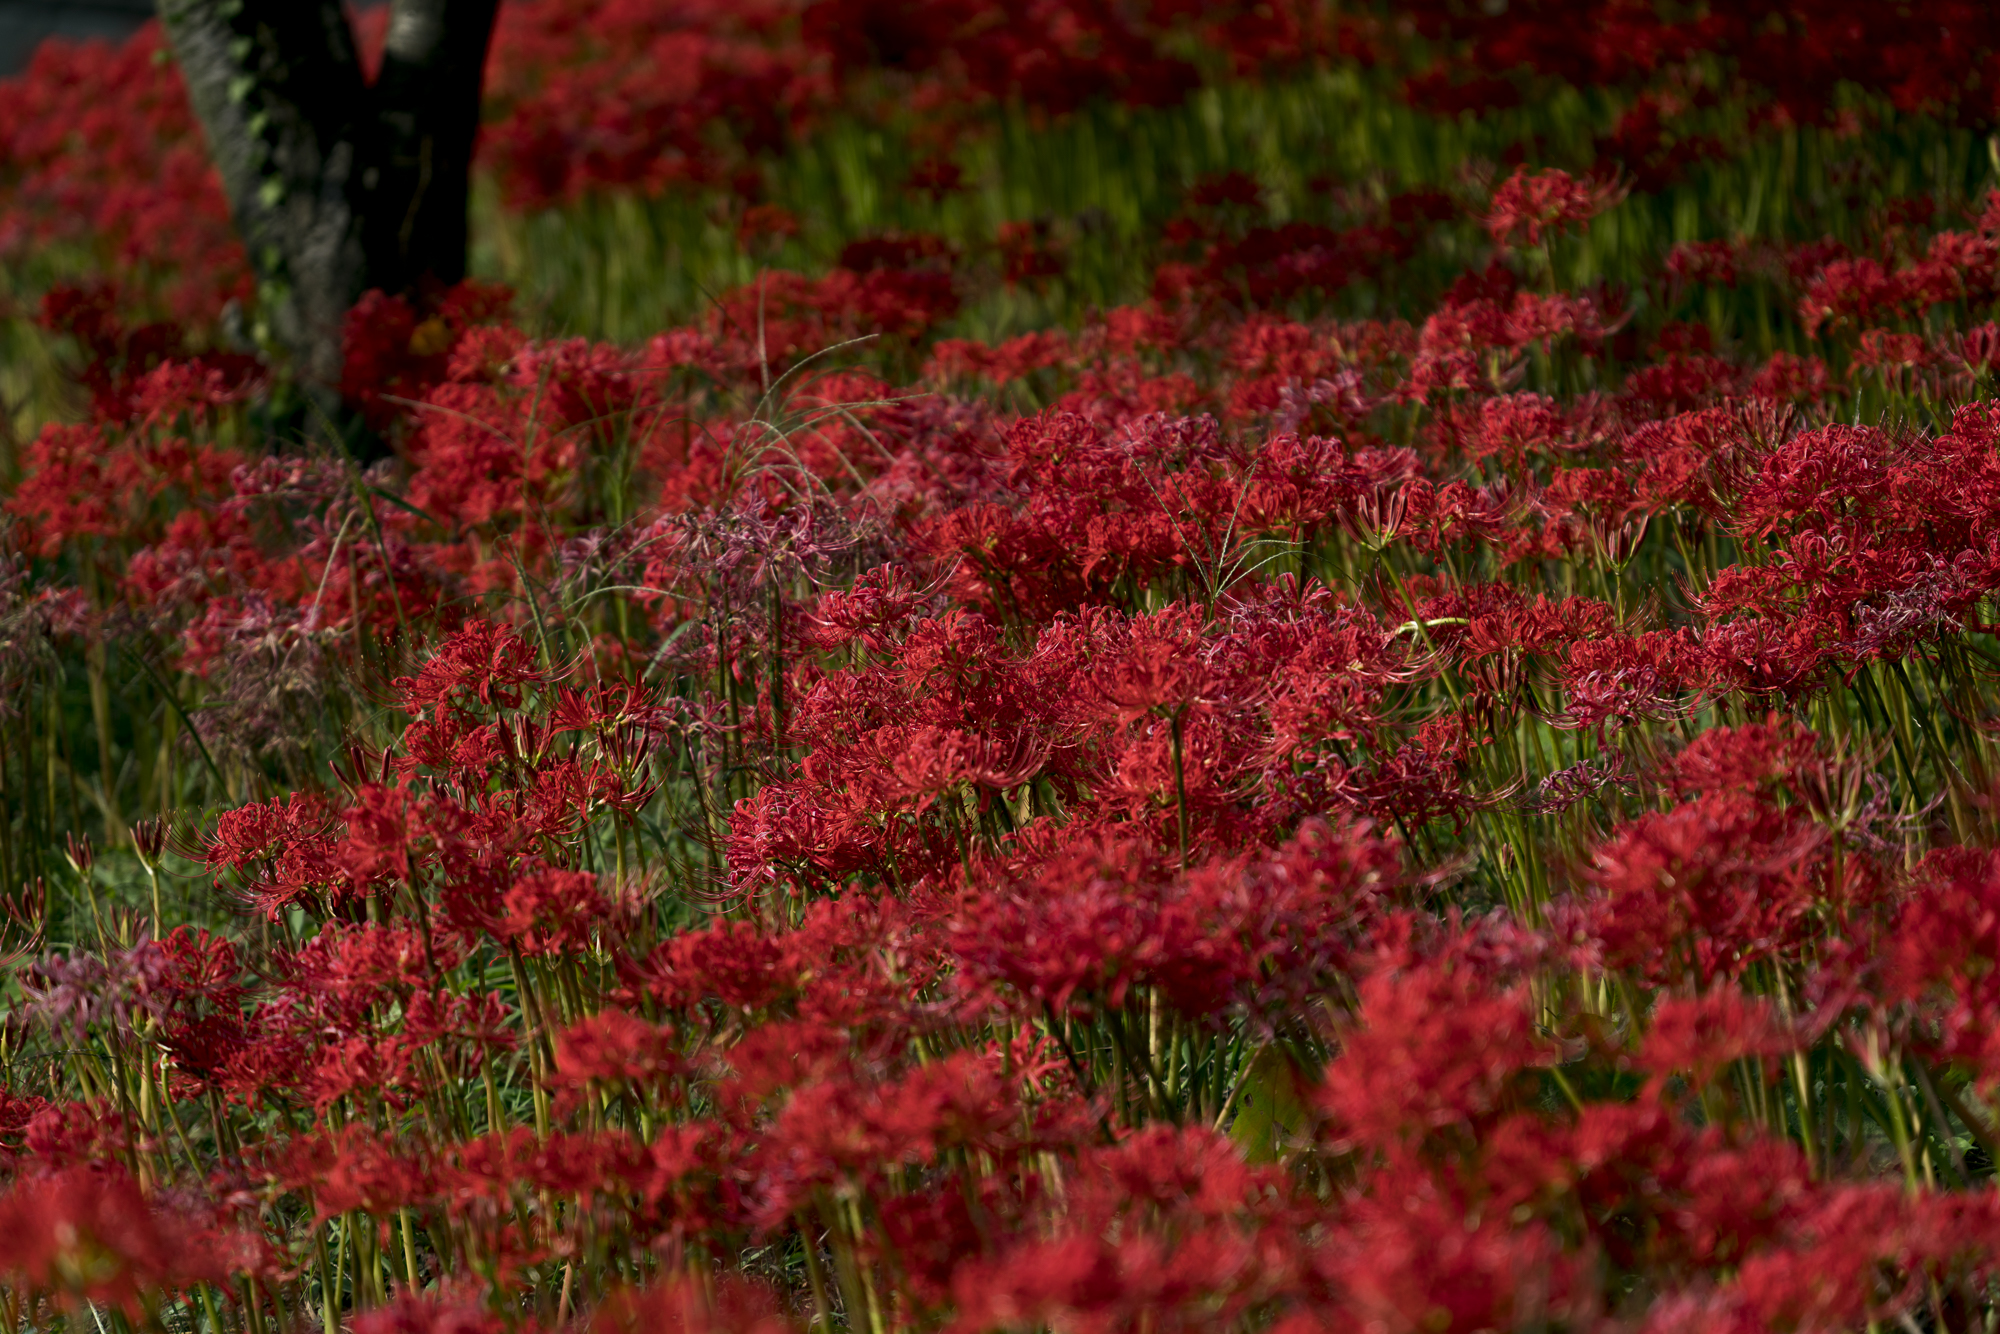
pixel 548 911
pixel 687 1306
pixel 1529 203
pixel 930 845
pixel 1680 383
pixel 274 832
pixel 1865 1252
pixel 613 1047
pixel 840 1131
pixel 76 1134
pixel 1413 1261
pixel 1749 757
pixel 934 761
pixel 393 350
pixel 936 177
pixel 360 962
pixel 358 1169
pixel 1433 1049
pixel 81 484
pixel 1857 290
pixel 1889 353
pixel 1789 377
pixel 88 1235
pixel 1105 914
pixel 1936 960
pixel 1026 254
pixel 429 1314
pixel 1158 670
pixel 79 992
pixel 1712 262
pixel 1710 887
pixel 489 662
pixel 1167 1226
pixel 1701 1035
pixel 1511 426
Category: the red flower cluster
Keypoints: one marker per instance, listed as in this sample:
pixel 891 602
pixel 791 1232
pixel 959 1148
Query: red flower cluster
pixel 1379 784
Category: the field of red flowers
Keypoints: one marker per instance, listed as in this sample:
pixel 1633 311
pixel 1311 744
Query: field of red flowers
pixel 1243 667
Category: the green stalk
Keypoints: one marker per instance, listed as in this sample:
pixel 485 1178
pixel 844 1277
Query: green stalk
pixel 1180 787
pixel 100 709
pixel 1801 1081
pixel 329 1287
pixel 409 1230
pixel 538 1057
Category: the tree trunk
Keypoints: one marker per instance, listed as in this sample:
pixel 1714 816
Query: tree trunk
pixel 426 108
pixel 336 186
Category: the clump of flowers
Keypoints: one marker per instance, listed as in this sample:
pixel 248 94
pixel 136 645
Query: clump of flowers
pixel 1378 784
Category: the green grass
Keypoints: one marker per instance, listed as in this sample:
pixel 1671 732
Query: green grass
pixel 1107 178
pixel 622 267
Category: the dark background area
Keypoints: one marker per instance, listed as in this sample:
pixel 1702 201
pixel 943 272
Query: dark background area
pixel 23 23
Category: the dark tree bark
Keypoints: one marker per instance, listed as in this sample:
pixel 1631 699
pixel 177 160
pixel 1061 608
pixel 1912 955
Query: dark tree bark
pixel 336 186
